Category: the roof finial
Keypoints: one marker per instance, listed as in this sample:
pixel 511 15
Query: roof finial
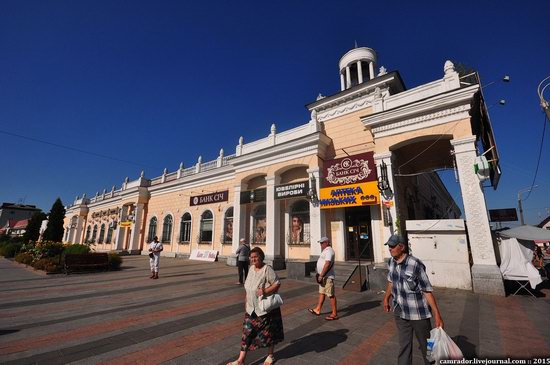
pixel 356 43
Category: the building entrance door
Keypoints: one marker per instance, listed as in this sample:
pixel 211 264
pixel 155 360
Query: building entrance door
pixel 358 234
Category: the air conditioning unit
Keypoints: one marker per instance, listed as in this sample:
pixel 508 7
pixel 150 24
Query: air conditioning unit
pixel 481 168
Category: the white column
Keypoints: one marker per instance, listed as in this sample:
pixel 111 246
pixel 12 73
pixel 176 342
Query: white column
pixel 348 78
pixel 121 230
pixel 359 72
pixel 342 82
pixel 239 223
pixel 136 232
pixel 79 227
pixel 371 70
pixel 486 276
pixel 377 225
pixel 273 232
pixel 387 231
pixel 316 217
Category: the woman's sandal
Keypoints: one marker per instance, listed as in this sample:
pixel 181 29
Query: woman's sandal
pixel 234 363
pixel 331 318
pixel 269 360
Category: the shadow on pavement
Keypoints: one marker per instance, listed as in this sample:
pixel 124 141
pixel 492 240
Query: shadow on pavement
pixel 356 308
pixel 317 342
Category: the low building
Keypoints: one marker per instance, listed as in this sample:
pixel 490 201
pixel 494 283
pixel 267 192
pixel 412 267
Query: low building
pixel 360 169
pixel 15 228
pixel 11 211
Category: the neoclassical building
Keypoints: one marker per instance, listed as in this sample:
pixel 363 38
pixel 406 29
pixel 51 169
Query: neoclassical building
pixel 363 167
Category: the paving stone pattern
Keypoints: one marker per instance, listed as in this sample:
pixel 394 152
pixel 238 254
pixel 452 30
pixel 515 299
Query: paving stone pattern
pixel 193 315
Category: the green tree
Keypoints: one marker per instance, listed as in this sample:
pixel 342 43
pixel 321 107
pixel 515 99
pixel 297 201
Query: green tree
pixel 54 229
pixel 33 228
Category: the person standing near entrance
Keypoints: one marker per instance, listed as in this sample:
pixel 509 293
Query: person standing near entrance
pixel 325 270
pixel 242 260
pixel 411 290
pixel 155 248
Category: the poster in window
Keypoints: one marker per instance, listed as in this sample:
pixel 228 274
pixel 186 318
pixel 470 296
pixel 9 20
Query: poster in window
pixel 297 229
pixel 228 231
pixel 259 230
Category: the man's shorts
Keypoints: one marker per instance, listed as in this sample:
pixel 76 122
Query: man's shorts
pixel 327 287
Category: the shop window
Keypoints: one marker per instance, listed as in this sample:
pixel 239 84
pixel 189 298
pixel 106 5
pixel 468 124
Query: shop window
pixel 259 225
pixel 167 229
pixel 185 228
pixel 109 234
pixel 299 230
pixel 206 227
pixel 101 233
pixel 87 239
pixel 152 229
pixel 228 226
pixel 94 233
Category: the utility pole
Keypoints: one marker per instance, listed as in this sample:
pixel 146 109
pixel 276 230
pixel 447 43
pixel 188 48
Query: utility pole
pixel 520 206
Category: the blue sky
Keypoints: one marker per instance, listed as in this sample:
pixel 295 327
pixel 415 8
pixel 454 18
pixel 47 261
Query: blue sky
pixel 149 82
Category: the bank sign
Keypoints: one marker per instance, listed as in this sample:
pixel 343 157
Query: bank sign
pixel 349 182
pixel 221 196
pixel 291 190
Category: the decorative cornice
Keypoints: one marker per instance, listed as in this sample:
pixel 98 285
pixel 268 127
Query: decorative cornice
pixel 361 101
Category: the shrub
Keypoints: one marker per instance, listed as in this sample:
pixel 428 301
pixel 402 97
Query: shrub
pixel 77 248
pixel 47 249
pixel 48 264
pixel 114 261
pixel 9 249
pixel 24 258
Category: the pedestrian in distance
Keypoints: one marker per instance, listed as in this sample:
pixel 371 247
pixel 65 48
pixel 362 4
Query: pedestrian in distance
pixel 242 260
pixel 260 328
pixel 411 297
pixel 155 248
pixel 325 279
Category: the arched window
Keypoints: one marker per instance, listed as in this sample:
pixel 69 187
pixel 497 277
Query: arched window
pixel 109 233
pixel 101 233
pixel 228 226
pixel 259 224
pixel 185 228
pixel 206 227
pixel 94 233
pixel 299 230
pixel 167 229
pixel 152 229
pixel 88 230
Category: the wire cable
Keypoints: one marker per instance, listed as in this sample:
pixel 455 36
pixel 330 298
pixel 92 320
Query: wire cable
pixel 538 160
pixel 74 149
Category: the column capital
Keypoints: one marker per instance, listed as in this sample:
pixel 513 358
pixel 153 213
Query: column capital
pixel 383 155
pixel 272 180
pixel 466 144
pixel 313 170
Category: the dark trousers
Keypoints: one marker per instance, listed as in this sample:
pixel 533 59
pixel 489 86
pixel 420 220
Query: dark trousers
pixel 243 269
pixel 405 329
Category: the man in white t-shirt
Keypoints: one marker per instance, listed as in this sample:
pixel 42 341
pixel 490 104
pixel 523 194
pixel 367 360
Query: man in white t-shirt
pixel 325 271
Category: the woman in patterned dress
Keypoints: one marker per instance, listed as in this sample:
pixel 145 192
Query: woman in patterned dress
pixel 260 329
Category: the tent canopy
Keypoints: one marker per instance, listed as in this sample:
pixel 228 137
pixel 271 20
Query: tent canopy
pixel 529 233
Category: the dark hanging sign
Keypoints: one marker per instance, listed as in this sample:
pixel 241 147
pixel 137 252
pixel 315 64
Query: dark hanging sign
pixel 221 196
pixel 503 215
pixel 350 170
pixel 291 190
pixel 253 196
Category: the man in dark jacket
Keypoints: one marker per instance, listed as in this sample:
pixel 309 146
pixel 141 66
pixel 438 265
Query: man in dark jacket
pixel 242 260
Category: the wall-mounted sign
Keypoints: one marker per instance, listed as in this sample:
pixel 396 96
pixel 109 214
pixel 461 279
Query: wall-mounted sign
pixel 253 196
pixel 221 196
pixel 125 223
pixel 350 170
pixel 503 215
pixel 204 255
pixel 350 195
pixel 291 190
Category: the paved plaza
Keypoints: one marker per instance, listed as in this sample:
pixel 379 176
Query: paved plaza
pixel 193 315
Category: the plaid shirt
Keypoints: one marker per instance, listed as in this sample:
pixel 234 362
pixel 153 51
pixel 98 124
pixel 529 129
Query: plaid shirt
pixel 409 280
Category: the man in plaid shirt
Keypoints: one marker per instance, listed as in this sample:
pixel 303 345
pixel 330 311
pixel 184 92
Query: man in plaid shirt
pixel 411 290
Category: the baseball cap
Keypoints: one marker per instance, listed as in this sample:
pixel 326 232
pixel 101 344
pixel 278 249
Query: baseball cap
pixel 394 240
pixel 323 239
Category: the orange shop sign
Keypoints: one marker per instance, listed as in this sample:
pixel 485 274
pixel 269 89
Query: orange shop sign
pixel 125 223
pixel 353 195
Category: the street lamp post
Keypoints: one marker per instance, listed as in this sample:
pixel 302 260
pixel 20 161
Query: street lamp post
pixel 520 206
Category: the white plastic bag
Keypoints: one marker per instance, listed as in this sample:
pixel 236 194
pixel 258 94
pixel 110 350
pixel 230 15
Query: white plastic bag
pixel 442 347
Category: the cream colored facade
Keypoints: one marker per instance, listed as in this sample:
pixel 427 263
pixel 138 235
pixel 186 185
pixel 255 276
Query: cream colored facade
pixel 371 113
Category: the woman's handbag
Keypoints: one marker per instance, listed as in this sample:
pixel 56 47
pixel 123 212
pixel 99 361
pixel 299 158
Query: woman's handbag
pixel 269 302
pixel 151 255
